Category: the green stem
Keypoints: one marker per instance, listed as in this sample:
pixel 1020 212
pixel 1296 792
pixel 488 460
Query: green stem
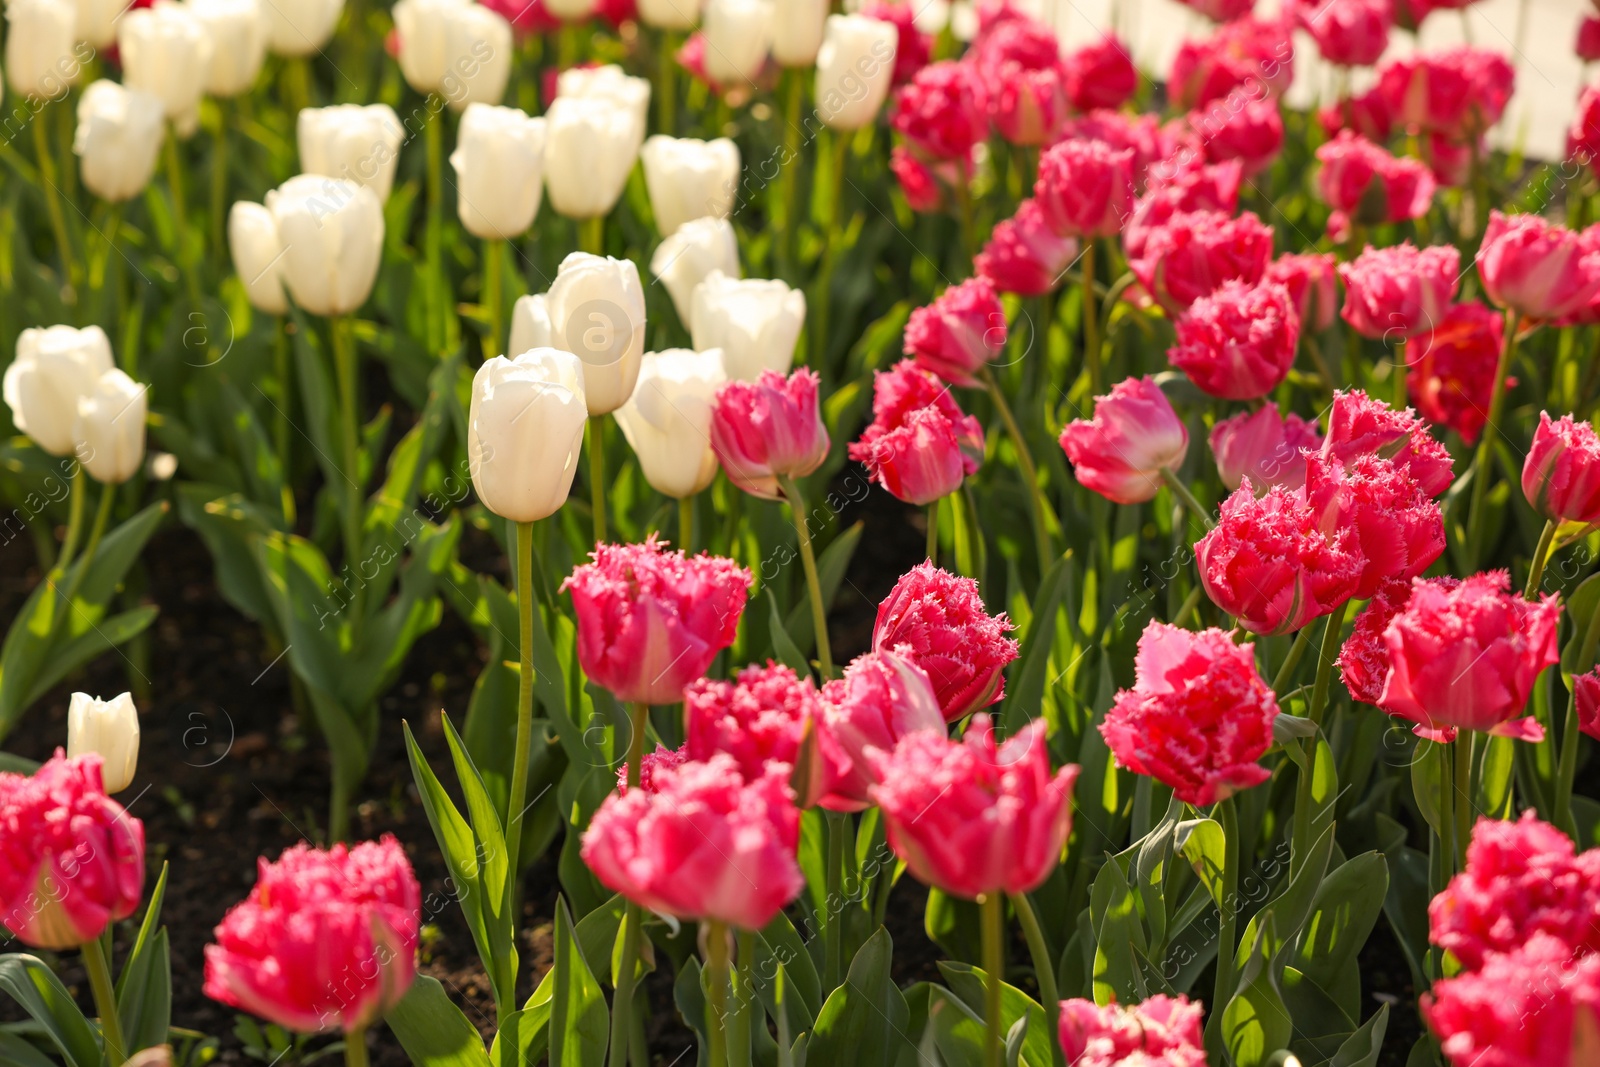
pixel 105 1001
pixel 519 756
pixel 1491 426
pixel 1297 651
pixel 592 235
pixel 97 529
pixel 97 269
pixel 69 544
pixel 597 476
pixel 789 172
pixel 666 92
pixel 933 531
pixel 639 720
pixel 219 184
pixel 822 294
pixel 1401 368
pixel 1181 491
pixel 1229 938
pixel 433 234
pixel 1044 968
pixel 963 187
pixel 833 903
pixel 180 222
pixel 346 370
pixel 1540 554
pixel 686 523
pixel 355 1047
pixel 52 198
pixel 1325 660
pixel 1567 769
pixel 992 909
pixel 745 1003
pixel 808 559
pixel 1091 322
pixel 622 1001
pixel 1030 473
pixel 717 966
pixel 493 296
pixel 1463 753
pixel 283 368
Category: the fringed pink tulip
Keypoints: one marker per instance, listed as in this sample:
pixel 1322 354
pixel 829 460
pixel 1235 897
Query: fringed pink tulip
pixel 1133 437
pixel 882 697
pixel 957 334
pixel 1561 476
pixel 1239 342
pixel 1360 425
pixel 1586 695
pixel 1461 91
pixel 943 110
pixel 1265 447
pixel 1101 74
pixel 920 446
pixel 1538 269
pixel 1368 185
pixel 1085 188
pixel 1364 659
pixel 1401 291
pixel 1398 527
pixel 939 621
pixel 1024 255
pixel 1349 33
pixel 1162 1031
pixel 769 429
pixel 1194 254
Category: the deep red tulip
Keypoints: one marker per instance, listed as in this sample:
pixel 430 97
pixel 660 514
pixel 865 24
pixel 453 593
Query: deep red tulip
pixel 1100 75
pixel 1452 368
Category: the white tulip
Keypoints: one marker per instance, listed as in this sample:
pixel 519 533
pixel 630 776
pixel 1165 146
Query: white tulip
pixel 682 261
pixel 419 27
pixel 738 34
pixel 41 59
pixel 797 31
pixel 166 52
pixel 258 256
pixel 930 16
pixel 358 144
pixel 524 432
pixel 97 21
pixel 596 308
pixel 53 369
pixel 530 324
pixel 109 432
pixel 455 48
pixel 609 83
pixel 499 161
pixel 570 10
pixel 667 421
pixel 669 14
pixel 756 323
pixel 331 232
pixel 110 729
pixel 118 139
pixel 854 66
pixel 300 27
pixel 590 147
pixel 689 179
pixel 238 43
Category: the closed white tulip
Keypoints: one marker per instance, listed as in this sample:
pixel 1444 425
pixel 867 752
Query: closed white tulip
pixel 349 141
pixel 499 160
pixel 683 260
pixel 590 147
pixel 166 52
pixel 332 236
pixel 570 10
pixel 118 139
pixel 40 56
pixel 738 35
pixel 300 27
pixel 524 432
pixel 419 30
pixel 669 14
pixel 238 43
pixel 689 179
pixel 258 256
pixel 97 21
pixel 596 308
pixel 797 27
pixel 109 433
pixel 667 421
pixel 755 322
pixel 54 368
pixel 530 324
pixel 854 66
pixel 477 48
pixel 609 83
pixel 110 729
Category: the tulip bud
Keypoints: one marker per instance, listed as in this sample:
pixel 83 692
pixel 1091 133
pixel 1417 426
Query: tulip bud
pixel 769 429
pixel 498 161
pixel 54 368
pixel 667 420
pixel 737 35
pixel 797 27
pixel 570 10
pixel 331 232
pixel 1561 475
pixel 524 432
pixel 109 728
pixel 355 143
pixel 477 57
pixel 40 58
pixel 596 307
pixel 689 179
pixel 419 27
pixel 118 139
pixel 96 24
pixel 166 51
pixel 300 27
pixel 530 324
pixel 238 43
pixel 854 66
pixel 669 14
pixel 685 258
pixel 589 150
pixel 755 322
pixel 257 256
pixel 1133 437
pixel 108 433
pixel 610 84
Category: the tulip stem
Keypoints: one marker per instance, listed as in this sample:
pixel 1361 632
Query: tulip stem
pixel 788 174
pixel 666 93
pixel 717 1001
pixel 1181 491
pixel 1091 322
pixel 97 266
pixel 1044 968
pixel 433 238
pixel 808 560
pixel 1325 660
pixel 1567 769
pixel 597 476
pixel 346 370
pixel 69 544
pixel 993 912
pixel 1491 426
pixel 355 1047
pixel 686 523
pixel 833 902
pixel 493 297
pixel 180 224
pixel 282 368
pixel 102 517
pixel 519 757
pixel 933 531
pixel 1297 652
pixel 52 198
pixel 219 182
pixel 1463 753
pixel 105 1000
pixel 592 235
pixel 822 302
pixel 1401 369
pixel 622 998
pixel 1540 554
pixel 1030 473
pixel 1229 938
pixel 744 992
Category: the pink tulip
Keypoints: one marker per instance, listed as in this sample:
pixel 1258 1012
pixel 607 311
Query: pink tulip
pixel 1359 425
pixel 71 859
pixel 1239 342
pixel 1586 694
pixel 1251 132
pixel 662 759
pixel 1364 659
pixel 1537 269
pixel 972 818
pixel 912 46
pixel 1177 188
pixel 651 621
pixel 1133 437
pixel 326 940
pixel 1467 658
pixel 1349 33
pixel 919 446
pixel 1162 1031
pixel 1028 105
pixel 1583 135
pixel 917 181
pixel 1085 188
pixel 1024 255
pixel 1252 54
pixel 1198 716
pixel 769 429
pixel 939 621
pixel 882 697
pixel 1461 91
pixel 706 844
pixel 1452 369
pixel 1311 279
pixel 1142 135
pixel 1265 447
pixel 1193 254
pixel 1401 291
pixel 1100 75
pixel 942 111
pixel 1561 476
pixel 1365 182
pixel 1399 529
pixel 1221 10
pixel 957 334
pixel 1366 114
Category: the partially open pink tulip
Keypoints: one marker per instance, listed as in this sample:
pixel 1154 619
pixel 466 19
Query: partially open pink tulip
pixel 1265 447
pixel 1536 268
pixel 939 621
pixel 769 429
pixel 920 445
pixel 1399 292
pixel 957 334
pixel 1133 436
pixel 1085 188
pixel 1561 476
pixel 1239 342
pixel 882 697
pixel 1361 425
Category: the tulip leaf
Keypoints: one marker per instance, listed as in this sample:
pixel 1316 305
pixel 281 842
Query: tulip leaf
pixel 958 1031
pixel 147 928
pixel 496 880
pixel 1347 905
pixel 1119 943
pixel 780 947
pixel 433 1031
pixel 1363 1047
pixel 971 984
pixel 864 1020
pixel 783 645
pixel 40 993
pixel 579 1020
pixel 832 563
pixel 78 651
pixel 15 1052
pixel 1256 1022
pixel 144 1004
pixel 1583 607
pixel 229 525
pixel 1024 701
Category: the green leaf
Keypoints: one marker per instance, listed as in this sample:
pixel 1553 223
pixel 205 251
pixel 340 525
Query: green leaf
pixel 147 928
pixel 1583 607
pixel 40 993
pixel 433 1031
pixel 783 646
pixel 1120 944
pixel 495 879
pixel 864 1020
pixel 1365 1045
pixel 1256 1023
pixel 780 945
pixel 1033 660
pixel 579 1020
pixel 96 640
pixel 958 1031
pixel 144 1005
pixel 831 567
pixel 1347 905
pixel 971 985
pixel 15 1052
